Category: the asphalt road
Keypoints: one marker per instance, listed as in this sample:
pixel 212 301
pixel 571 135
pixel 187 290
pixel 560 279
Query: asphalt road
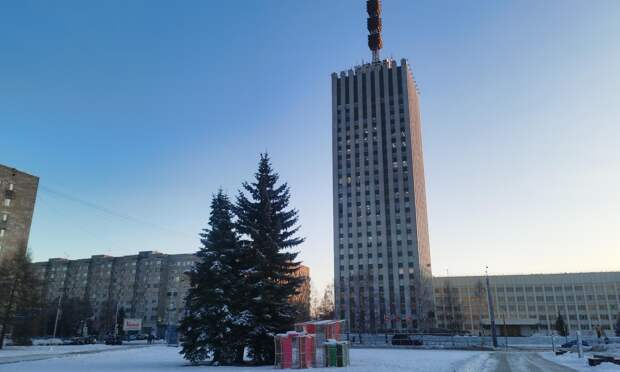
pixel 522 362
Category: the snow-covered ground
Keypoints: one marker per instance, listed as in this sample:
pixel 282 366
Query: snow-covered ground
pixel 160 358
pixel 167 359
pixel 573 361
pixel 16 351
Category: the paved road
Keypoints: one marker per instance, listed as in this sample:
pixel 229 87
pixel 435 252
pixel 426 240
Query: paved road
pixel 34 357
pixel 522 362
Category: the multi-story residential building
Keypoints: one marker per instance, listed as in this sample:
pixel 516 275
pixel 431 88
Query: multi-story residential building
pixel 382 262
pixel 18 192
pixel 150 285
pixel 527 304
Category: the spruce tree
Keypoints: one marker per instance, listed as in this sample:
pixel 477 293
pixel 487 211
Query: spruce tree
pixel 214 324
pixel 560 326
pixel 268 227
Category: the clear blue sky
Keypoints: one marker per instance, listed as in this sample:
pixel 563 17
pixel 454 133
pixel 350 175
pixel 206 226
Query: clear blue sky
pixel 147 107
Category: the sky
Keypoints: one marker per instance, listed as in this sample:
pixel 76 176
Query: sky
pixel 134 113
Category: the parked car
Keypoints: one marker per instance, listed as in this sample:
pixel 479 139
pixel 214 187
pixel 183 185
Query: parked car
pixel 401 339
pixel 83 340
pixel 113 340
pixel 572 343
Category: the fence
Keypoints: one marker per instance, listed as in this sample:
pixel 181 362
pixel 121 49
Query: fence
pixel 419 340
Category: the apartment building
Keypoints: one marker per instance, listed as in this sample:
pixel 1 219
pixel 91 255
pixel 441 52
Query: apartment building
pixel 18 193
pixel 150 285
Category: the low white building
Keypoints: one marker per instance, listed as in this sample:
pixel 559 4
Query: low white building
pixel 528 304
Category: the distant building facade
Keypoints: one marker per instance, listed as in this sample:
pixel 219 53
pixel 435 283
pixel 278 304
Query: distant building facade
pixel 528 304
pixel 302 298
pixel 150 285
pixel 18 192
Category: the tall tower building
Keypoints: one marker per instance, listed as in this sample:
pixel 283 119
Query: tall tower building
pixel 18 192
pixel 382 261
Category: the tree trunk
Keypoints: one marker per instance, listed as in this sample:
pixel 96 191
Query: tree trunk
pixel 239 355
pixel 7 313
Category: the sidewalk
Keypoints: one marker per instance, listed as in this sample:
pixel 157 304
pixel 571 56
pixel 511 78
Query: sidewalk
pixel 16 354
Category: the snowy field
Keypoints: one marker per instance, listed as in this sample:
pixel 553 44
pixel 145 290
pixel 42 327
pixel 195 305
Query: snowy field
pixel 17 351
pixel 159 358
pixel 166 359
pixel 13 354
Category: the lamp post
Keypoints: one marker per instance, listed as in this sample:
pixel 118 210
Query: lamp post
pixel 505 331
pixel 58 313
pixel 116 320
pixel 491 311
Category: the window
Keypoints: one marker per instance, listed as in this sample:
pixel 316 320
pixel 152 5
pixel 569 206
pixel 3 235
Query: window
pixel 2 232
pixel 7 202
pixel 5 217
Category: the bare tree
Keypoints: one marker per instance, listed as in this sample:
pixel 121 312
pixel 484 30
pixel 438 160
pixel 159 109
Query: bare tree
pixel 325 309
pixel 426 305
pixel 453 305
pixel 19 294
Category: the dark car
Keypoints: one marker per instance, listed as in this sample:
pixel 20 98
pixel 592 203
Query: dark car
pixel 113 340
pixel 82 340
pixel 572 343
pixel 401 339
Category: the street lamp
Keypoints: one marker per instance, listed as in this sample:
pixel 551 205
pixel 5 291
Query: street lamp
pixel 491 311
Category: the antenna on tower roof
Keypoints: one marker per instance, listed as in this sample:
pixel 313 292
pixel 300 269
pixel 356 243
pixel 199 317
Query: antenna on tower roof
pixel 375 43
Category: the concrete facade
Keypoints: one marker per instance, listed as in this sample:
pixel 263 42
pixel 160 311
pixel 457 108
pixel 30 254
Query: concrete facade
pixel 529 303
pixel 149 285
pixel 382 259
pixel 18 193
pixel 302 298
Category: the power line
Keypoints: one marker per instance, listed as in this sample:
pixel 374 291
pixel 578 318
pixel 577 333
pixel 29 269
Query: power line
pixel 77 224
pixel 108 211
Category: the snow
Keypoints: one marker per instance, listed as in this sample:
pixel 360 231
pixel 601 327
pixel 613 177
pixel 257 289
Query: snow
pixel 573 361
pixel 16 351
pixel 167 359
pixel 160 358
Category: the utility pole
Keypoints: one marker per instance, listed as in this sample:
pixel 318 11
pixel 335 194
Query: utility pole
pixel 505 332
pixel 116 321
pixel 58 312
pixel 58 308
pixel 491 311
